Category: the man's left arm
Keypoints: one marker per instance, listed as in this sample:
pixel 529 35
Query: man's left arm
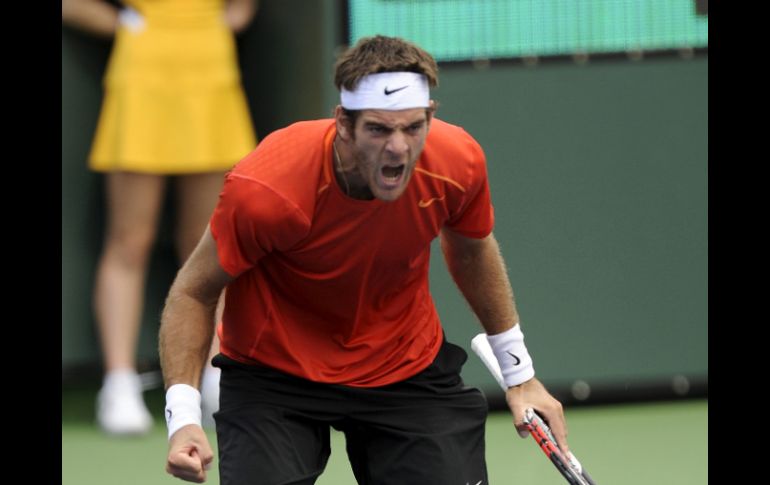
pixel 478 269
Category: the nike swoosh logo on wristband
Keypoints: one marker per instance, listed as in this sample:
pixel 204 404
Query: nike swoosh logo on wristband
pixel 518 360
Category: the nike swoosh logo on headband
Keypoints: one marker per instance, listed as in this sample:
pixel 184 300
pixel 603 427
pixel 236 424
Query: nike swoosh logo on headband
pixel 389 92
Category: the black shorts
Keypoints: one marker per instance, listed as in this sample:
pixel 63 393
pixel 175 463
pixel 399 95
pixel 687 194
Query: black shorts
pixel 273 428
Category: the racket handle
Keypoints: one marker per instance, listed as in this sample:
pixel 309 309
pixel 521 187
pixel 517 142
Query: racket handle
pixel 588 478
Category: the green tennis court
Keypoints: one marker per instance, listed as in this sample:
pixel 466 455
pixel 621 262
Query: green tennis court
pixel 620 444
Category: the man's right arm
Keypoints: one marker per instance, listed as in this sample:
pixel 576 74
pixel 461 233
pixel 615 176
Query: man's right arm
pixel 187 327
pixel 187 324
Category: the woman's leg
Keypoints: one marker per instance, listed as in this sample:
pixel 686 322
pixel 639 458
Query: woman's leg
pixel 133 207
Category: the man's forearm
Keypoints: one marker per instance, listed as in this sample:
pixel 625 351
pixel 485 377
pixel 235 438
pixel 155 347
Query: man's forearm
pixel 478 269
pixel 187 324
pixel 186 331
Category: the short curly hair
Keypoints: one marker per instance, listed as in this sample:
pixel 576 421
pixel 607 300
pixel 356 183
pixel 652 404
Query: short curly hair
pixel 372 55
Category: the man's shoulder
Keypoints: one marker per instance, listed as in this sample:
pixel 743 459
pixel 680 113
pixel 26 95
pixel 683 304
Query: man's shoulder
pixel 452 142
pixel 445 130
pixel 287 165
pixel 279 153
pixel 295 138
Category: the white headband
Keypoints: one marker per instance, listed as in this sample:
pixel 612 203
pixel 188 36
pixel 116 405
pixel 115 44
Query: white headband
pixel 388 90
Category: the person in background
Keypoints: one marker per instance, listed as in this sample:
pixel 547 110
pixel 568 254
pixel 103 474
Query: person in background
pixel 173 111
pixel 322 237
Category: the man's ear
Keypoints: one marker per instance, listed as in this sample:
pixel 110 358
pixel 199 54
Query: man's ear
pixel 344 127
pixel 431 110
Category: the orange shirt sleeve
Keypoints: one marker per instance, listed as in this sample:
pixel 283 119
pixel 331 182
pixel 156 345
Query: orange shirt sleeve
pixel 475 217
pixel 252 220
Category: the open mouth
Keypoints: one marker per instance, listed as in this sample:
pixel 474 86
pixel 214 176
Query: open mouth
pixel 391 175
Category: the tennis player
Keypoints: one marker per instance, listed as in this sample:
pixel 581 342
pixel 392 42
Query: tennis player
pixel 322 238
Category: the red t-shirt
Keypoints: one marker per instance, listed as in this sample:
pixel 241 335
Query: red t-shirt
pixel 330 288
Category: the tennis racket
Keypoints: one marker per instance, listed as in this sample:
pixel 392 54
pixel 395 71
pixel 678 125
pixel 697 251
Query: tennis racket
pixel 569 467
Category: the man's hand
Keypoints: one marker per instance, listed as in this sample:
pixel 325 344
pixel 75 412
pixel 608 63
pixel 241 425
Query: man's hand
pixel 189 454
pixel 532 394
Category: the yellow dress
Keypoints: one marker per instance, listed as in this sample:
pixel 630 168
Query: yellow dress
pixel 173 100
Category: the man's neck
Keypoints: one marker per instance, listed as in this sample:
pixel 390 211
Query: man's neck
pixel 347 175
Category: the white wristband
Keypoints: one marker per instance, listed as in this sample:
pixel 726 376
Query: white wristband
pixel 515 362
pixel 183 407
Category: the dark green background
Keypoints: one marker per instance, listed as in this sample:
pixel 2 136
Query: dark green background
pixel 598 174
